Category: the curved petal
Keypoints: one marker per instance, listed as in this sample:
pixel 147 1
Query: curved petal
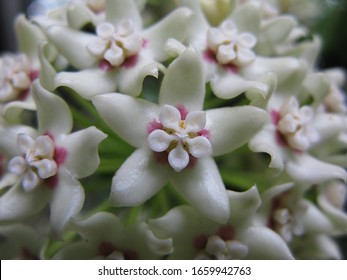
pixel 54 115
pixel 263 243
pixel 247 17
pixel 82 157
pixel 118 10
pixel 66 202
pixel 230 128
pixel 183 224
pixel 87 83
pixel 77 53
pixel 329 126
pixel 18 204
pixel 76 251
pixel 203 187
pixel 229 86
pixel 78 15
pixel 138 179
pixel 304 168
pixel 130 78
pixel 47 71
pixel 184 82
pixel 315 221
pixel 172 26
pixel 29 37
pixel 127 116
pixel 178 158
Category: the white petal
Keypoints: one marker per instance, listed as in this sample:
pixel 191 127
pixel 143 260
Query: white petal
pixel 44 146
pixel 263 243
pixel 199 147
pixel 97 47
pixel 67 201
pixel 30 181
pixel 246 40
pixel 54 115
pixel 127 116
pixel 114 55
pixel 203 188
pixel 178 158
pixel 17 165
pixel 17 203
pixel 132 44
pixel 138 179
pixel 184 82
pixel 159 140
pixel 226 54
pixel 46 168
pixel 105 30
pixel 195 121
pixel 25 143
pixel 230 128
pixel 245 57
pixel 81 157
pixel 215 38
pixel 119 10
pixel 306 169
pixel 170 117
pixel 21 80
pixel 87 83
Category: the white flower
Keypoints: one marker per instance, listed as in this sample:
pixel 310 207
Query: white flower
pixel 104 237
pixel 175 140
pixel 195 237
pixel 49 163
pixel 121 53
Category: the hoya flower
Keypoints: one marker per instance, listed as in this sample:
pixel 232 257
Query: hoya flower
pixel 230 50
pixel 49 163
pixel 104 237
pixel 17 73
pixel 286 211
pixel 176 139
pixel 195 237
pixel 292 135
pixel 120 54
pixel 18 241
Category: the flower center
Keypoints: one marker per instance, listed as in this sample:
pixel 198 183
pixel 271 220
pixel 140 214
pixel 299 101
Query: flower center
pixel 285 216
pixel 295 126
pixel 116 44
pixel 180 135
pixel 16 76
pixel 230 47
pixel 36 162
pixel 220 246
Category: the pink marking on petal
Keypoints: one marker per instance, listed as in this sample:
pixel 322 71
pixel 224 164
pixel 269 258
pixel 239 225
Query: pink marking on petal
pixel 200 241
pixel 105 65
pixel 130 61
pixel 205 133
pixel 106 248
pixel 34 74
pixel 154 125
pixel 60 155
pixel 145 43
pixel 49 134
pixel 51 182
pixel 275 117
pixel 231 68
pixel 161 157
pixel 183 111
pixel 226 232
pixel 130 255
pixel 23 94
pixel 192 161
pixel 210 56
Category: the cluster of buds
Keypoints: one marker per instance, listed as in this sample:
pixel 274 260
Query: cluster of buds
pixel 206 133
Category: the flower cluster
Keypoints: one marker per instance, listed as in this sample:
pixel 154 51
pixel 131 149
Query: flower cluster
pixel 207 132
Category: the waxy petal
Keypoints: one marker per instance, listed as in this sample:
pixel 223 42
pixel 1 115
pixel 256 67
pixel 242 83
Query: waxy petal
pixel 118 10
pixel 87 83
pixel 173 26
pixel 66 202
pixel 82 157
pixel 263 243
pixel 159 140
pixel 199 146
pixel 53 113
pixel 178 158
pixel 138 179
pixel 226 136
pixel 203 187
pixel 170 117
pixel 184 82
pixel 127 116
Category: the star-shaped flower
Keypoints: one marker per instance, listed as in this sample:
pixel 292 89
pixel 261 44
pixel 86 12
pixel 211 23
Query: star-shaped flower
pixel 176 139
pixel 105 237
pixel 48 164
pixel 195 237
pixel 120 54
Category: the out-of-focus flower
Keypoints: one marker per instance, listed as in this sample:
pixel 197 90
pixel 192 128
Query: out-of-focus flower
pixel 49 163
pixel 195 237
pixel 104 237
